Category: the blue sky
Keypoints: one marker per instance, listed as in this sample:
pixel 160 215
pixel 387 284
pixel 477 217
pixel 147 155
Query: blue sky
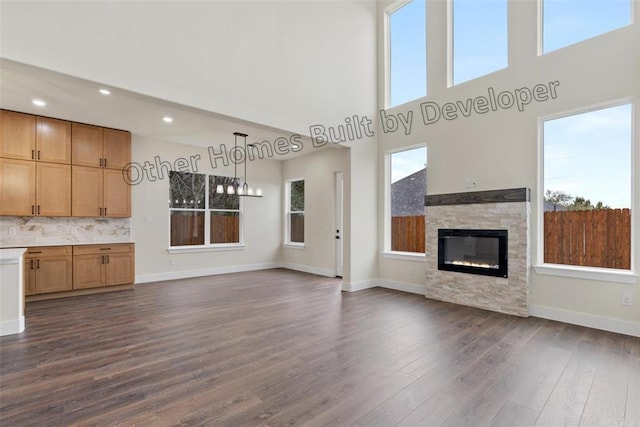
pixel 404 163
pixel 586 155
pixel 589 155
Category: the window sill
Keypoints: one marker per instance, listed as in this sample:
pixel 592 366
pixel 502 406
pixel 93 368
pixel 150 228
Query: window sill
pixel 405 256
pixel 589 273
pixel 299 246
pixel 194 249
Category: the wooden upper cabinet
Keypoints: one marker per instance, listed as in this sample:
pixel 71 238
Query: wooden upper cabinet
pixel 30 188
pixel 53 189
pixel 53 140
pixel 17 187
pixel 117 195
pixel 87 191
pixel 17 135
pixel 100 147
pixel 117 149
pixel 86 145
pixel 100 193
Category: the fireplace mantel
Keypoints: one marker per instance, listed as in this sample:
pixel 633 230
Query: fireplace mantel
pixel 506 209
pixel 512 195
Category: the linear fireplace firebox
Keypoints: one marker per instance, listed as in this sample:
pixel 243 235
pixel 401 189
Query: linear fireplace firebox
pixel 473 251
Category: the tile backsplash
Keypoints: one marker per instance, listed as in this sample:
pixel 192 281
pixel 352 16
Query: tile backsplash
pixel 40 231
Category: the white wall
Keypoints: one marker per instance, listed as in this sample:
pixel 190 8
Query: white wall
pixel 318 170
pixel 285 64
pixel 500 148
pixel 150 218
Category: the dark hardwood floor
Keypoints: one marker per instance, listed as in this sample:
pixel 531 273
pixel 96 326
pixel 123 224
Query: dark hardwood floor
pixel 279 347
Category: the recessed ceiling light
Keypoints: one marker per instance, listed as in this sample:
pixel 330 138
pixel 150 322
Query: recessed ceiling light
pixel 105 91
pixel 38 102
pixel 167 119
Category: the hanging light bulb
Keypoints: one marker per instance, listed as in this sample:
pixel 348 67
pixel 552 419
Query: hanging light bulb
pixel 230 190
pixel 259 192
pixel 219 189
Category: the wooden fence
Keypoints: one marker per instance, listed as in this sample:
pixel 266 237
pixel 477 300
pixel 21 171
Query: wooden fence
pixel 296 228
pixel 187 228
pixel 407 233
pixel 225 228
pixel 594 238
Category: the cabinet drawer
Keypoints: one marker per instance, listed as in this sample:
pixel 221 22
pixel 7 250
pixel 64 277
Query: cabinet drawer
pixel 45 251
pixel 103 249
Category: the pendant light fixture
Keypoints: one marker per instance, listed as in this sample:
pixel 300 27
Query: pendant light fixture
pixel 236 189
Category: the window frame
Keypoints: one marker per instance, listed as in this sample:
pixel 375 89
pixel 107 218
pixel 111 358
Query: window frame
pixel 577 271
pixel 207 222
pixel 388 11
pixel 387 252
pixel 287 209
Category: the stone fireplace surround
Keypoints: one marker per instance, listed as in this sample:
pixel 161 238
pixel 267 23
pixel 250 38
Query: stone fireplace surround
pixel 495 209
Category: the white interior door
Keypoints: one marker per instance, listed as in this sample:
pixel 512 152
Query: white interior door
pixel 338 222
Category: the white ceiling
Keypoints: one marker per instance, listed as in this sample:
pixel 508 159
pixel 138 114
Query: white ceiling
pixel 79 100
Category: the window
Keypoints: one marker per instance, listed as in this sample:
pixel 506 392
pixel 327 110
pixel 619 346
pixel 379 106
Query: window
pixel 295 211
pixel 407 52
pixel 480 38
pixel 587 188
pixel 407 188
pixel 567 22
pixel 199 215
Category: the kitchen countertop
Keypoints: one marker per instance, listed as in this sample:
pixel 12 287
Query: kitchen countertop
pixel 37 245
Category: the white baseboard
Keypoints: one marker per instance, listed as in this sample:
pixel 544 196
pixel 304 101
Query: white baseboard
pixel 358 286
pixel 173 275
pixel 309 269
pixel 583 319
pixel 402 286
pixel 13 326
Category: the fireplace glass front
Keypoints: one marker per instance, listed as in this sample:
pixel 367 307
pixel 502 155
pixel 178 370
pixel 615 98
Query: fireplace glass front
pixel 473 251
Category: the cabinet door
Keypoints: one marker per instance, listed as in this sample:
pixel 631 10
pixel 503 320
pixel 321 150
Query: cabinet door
pixel 88 271
pixel 116 149
pixel 53 190
pixel 17 187
pixel 86 191
pixel 17 135
pixel 53 274
pixel 29 276
pixel 120 269
pixel 117 194
pixel 86 145
pixel 53 140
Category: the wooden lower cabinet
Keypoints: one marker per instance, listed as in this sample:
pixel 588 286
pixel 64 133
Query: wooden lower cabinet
pixel 48 269
pixel 103 265
pixel 58 271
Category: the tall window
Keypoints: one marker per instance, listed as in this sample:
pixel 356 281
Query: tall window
pixel 565 22
pixel 407 188
pixel 295 211
pixel 480 39
pixel 199 215
pixel 407 52
pixel 587 188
